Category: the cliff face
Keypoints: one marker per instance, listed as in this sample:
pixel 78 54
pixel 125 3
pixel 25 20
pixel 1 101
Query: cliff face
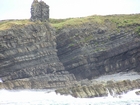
pixel 37 56
pixel 93 49
pixel 28 58
pixel 28 51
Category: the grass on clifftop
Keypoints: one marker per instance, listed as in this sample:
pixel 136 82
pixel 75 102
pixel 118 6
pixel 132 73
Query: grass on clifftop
pixel 118 20
pixel 6 24
pixel 70 22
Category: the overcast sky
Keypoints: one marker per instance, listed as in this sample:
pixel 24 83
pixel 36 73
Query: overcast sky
pixel 20 9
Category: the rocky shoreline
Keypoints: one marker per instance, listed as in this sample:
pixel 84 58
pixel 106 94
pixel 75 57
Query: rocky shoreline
pixel 83 57
pixel 115 84
pixel 118 84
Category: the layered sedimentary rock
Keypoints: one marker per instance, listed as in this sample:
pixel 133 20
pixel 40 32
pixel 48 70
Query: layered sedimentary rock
pixel 30 59
pixel 28 54
pixel 92 49
pixel 99 89
pixel 39 11
pixel 28 51
pixel 48 81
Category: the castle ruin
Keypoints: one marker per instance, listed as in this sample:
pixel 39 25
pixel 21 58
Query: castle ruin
pixel 39 11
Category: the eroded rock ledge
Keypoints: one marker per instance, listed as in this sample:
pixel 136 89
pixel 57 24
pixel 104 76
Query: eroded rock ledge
pixel 100 89
pixel 35 57
pixel 93 49
pixel 48 81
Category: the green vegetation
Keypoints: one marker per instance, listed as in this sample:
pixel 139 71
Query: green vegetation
pixel 138 30
pixel 6 24
pixel 71 45
pixel 125 20
pixel 74 22
pixel 113 20
pixel 117 20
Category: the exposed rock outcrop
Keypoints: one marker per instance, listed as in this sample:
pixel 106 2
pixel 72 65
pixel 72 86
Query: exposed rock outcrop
pixel 39 11
pixel 28 51
pixel 138 92
pixel 93 49
pixel 48 81
pixel 99 89
pixel 29 58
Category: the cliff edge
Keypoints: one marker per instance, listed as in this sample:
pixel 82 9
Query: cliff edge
pixel 30 52
pixel 37 54
pixel 98 45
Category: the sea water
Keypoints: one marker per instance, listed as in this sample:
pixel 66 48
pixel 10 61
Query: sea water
pixel 47 97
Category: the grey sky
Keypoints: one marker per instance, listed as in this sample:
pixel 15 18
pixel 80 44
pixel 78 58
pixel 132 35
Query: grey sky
pixel 20 9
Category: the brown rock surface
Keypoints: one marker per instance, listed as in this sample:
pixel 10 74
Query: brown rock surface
pixel 100 89
pixel 48 81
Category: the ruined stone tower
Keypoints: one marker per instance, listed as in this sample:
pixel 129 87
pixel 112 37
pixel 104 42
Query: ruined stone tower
pixel 39 11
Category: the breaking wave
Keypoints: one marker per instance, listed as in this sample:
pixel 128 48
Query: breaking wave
pixel 49 97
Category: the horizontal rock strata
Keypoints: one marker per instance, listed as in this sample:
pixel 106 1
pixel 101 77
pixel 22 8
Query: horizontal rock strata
pixel 35 57
pixel 91 50
pixel 48 81
pixel 99 89
pixel 28 51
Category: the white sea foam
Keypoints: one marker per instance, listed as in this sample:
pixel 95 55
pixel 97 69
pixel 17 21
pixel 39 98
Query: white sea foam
pixel 1 80
pixel 43 97
pixel 119 76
